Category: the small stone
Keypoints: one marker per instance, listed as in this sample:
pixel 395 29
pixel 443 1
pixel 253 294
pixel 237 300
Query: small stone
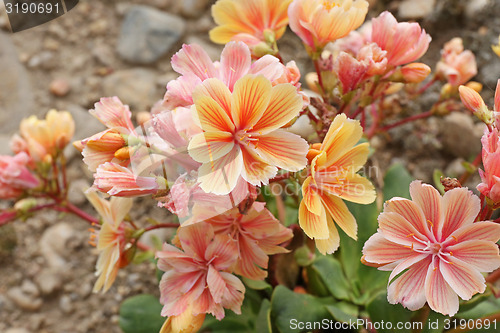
pixel 411 9
pixel 24 301
pixel 49 281
pixel 455 168
pixel 135 87
pixel 8 241
pixel 51 44
pixel 17 330
pixel 76 191
pixel 30 288
pixel 473 8
pixel 194 8
pixel 147 34
pixel 59 87
pixel 53 244
pixel 65 304
pixel 44 59
pixel 458 135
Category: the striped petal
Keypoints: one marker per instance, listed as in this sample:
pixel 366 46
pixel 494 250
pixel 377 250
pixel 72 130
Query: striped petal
pixel 255 170
pixel 193 59
pixel 331 244
pixel 464 279
pixel 220 176
pixel 315 226
pixel 210 146
pixel 489 231
pixel 429 200
pixel 340 214
pixel 210 114
pixel 249 100
pixel 235 62
pixel 379 250
pixel 481 254
pixel 410 212
pixel 311 198
pixel 342 135
pixel 460 208
pixel 397 229
pixel 440 296
pixel 283 149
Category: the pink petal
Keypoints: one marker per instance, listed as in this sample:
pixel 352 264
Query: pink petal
pixel 481 254
pixel 216 284
pixel 111 112
pixel 180 91
pixel 460 207
pixel 408 289
pixel 195 239
pixel 488 231
pixel 192 59
pixel 497 96
pixel 379 250
pixel 440 296
pixel 464 279
pixel 222 252
pixel 235 292
pixel 252 257
pixel 429 200
pixel 397 229
pixel 408 262
pixel 234 63
pixel 221 176
pixel 269 66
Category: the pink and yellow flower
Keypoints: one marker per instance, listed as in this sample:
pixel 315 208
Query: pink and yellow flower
pixel 251 22
pixel 198 277
pixel 15 177
pixel 404 42
pixel 109 145
pixel 490 185
pixel 195 66
pixel 47 136
pixel 318 22
pixel 436 241
pixel 456 65
pixel 333 178
pixel 242 135
pixel 257 235
pixel 111 240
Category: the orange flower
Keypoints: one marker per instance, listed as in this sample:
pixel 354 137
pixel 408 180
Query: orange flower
pixel 333 178
pixel 242 135
pixel 111 239
pixel 318 22
pixel 47 136
pixel 251 22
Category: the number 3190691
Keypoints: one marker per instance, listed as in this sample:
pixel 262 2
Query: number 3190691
pixel 470 324
pixel 32 8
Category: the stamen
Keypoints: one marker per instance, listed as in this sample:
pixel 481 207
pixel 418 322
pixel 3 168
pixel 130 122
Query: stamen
pixel 434 269
pixel 410 235
pixel 432 224
pixel 455 238
pixel 451 253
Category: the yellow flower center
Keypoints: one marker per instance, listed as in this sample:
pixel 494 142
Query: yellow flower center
pixel 329 5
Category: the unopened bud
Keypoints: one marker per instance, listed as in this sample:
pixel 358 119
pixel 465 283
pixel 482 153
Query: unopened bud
pixel 450 183
pixel 415 72
pixel 123 153
pixel 24 205
pixel 262 49
pixel 312 82
pixel 478 87
pixel 78 145
pixel 143 117
pixel 447 91
pixel 473 101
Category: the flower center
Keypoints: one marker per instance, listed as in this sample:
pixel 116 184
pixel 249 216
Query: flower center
pixel 329 4
pixel 243 137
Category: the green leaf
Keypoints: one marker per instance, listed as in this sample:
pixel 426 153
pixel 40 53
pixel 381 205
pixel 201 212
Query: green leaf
pixel 263 323
pixel 397 182
pixel 343 312
pixel 380 310
pixel 304 256
pixel 435 323
pixel 330 271
pixel 257 284
pixel 485 308
pixel 288 308
pixel 141 314
pixel 436 177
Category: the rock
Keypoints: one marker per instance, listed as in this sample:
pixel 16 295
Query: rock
pixel 473 8
pixel 75 192
pixel 53 244
pixel 17 330
pixel 194 8
pixel 16 94
pixel 24 301
pixel 59 87
pixel 135 87
pixel 8 241
pixel 411 9
pixel 65 304
pixel 458 135
pixel 489 73
pixel 49 281
pixel 30 288
pixel 455 168
pixel 86 124
pixel 44 60
pixel 147 34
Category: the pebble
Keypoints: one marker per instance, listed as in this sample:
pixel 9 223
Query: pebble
pixel 459 136
pixel 147 34
pixel 29 288
pixel 65 304
pixel 455 168
pixel 135 87
pixel 411 9
pixel 49 281
pixel 473 8
pixel 53 244
pixel 60 87
pixel 76 191
pixel 194 8
pixel 17 330
pixel 44 60
pixel 24 301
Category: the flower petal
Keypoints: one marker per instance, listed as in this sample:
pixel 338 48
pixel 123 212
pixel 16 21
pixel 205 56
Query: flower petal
pixel 440 296
pixel 481 254
pixel 235 62
pixel 489 231
pixel 408 289
pixel 354 188
pixel 269 66
pixel 331 244
pixel 379 250
pixel 284 105
pixel 283 149
pixel 249 100
pixel 351 160
pixel 342 135
pixel 210 114
pixel 220 176
pixel 464 279
pixel 255 170
pixel 340 214
pixel 315 226
pixel 210 146
pixel 180 91
pixel 195 239
pixel 311 198
pixel 235 292
pixel 193 59
pixel 429 200
pixel 410 212
pixel 398 230
pixel 216 284
pixel 460 208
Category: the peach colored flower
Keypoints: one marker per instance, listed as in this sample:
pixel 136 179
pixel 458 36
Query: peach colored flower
pixel 318 22
pixel 109 145
pixel 119 181
pixel 252 22
pixel 195 66
pixel 257 235
pixel 435 240
pixel 333 178
pixel 415 72
pixel 15 178
pixel 404 42
pixel 490 185
pixel 197 277
pixel 47 136
pixel 456 65
pixel 111 240
pixel 242 135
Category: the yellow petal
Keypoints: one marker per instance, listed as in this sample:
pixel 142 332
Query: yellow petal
pixel 315 226
pixel 249 100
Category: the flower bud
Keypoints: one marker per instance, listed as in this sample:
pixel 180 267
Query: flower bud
pixel 25 205
pixel 415 72
pixel 475 86
pixel 473 101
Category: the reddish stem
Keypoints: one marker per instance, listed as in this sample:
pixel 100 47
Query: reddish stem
pixel 406 120
pixel 463 178
pixel 426 86
pixel 493 276
pixel 70 208
pixel 162 225
pixel 320 79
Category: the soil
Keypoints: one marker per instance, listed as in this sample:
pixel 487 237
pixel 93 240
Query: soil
pixel 37 295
